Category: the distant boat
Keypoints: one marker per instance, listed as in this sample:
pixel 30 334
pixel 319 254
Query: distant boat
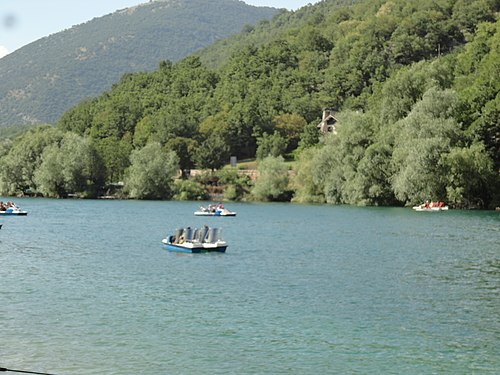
pixel 212 210
pixel 431 207
pixel 190 240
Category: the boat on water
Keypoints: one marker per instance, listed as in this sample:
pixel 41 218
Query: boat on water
pixel 9 208
pixel 14 211
pixel 431 207
pixel 189 240
pixel 213 210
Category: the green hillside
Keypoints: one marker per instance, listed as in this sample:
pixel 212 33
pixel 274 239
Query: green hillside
pixel 43 79
pixel 266 31
pixel 413 87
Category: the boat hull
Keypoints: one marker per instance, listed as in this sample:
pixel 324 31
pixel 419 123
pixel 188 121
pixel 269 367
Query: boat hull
pixel 203 213
pixel 194 250
pixel 430 209
pixel 13 213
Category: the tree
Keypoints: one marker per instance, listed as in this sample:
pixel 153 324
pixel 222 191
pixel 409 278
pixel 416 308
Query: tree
pixel 143 132
pixel 358 59
pixel 397 96
pixel 116 116
pixel 185 149
pixel 479 88
pixel 271 145
pixel 215 138
pixel 467 14
pixel 423 34
pixel 18 166
pixel 115 155
pixel 216 124
pixel 272 182
pixel 71 167
pixel 79 118
pixel 213 153
pixel 172 121
pixel 49 177
pixel 309 136
pixel 310 39
pixel 471 179
pixel 305 183
pixel 423 137
pixel 335 162
pixel 373 176
pixel 290 126
pixel 151 173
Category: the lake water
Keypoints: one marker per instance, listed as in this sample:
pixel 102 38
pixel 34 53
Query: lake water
pixel 86 288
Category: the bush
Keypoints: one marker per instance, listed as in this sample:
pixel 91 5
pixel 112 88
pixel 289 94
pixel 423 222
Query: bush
pixel 236 186
pixel 272 183
pixel 189 190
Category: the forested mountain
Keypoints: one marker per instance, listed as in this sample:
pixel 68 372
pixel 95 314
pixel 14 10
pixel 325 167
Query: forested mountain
pixel 413 85
pixel 40 81
pixel 267 31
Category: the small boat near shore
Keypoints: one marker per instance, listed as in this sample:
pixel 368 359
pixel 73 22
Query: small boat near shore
pixel 13 211
pixel 189 240
pixel 213 210
pixel 431 207
pixel 10 208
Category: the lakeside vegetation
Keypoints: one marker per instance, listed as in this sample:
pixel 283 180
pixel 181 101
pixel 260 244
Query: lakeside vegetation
pixel 414 87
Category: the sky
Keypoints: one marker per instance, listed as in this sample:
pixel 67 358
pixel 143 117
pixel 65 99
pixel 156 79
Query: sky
pixel 24 21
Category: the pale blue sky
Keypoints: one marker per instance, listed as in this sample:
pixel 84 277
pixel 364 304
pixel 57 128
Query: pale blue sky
pixel 24 21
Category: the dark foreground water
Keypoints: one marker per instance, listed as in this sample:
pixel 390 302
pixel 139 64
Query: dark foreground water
pixel 86 288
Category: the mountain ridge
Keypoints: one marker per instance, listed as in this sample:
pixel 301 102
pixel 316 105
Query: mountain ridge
pixel 46 77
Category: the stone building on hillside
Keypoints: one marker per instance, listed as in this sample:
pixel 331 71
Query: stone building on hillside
pixel 328 123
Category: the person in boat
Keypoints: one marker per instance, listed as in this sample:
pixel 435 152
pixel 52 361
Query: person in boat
pixel 8 206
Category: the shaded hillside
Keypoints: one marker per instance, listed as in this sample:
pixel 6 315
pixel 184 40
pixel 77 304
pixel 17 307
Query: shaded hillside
pixel 43 79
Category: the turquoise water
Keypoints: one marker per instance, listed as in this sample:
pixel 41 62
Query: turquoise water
pixel 86 288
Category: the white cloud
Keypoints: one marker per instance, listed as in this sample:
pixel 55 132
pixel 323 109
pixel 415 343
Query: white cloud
pixel 3 51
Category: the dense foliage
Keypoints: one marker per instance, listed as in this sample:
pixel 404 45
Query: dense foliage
pixel 414 85
pixel 45 78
